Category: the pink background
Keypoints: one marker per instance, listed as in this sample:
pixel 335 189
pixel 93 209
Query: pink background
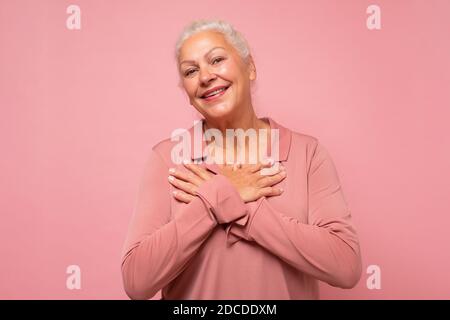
pixel 80 110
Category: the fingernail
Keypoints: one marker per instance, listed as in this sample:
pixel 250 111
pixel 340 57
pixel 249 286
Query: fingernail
pixel 171 178
pixel 186 161
pixel 281 190
pixel 172 170
pixel 174 192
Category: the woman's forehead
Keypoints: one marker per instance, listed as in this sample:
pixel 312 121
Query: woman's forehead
pixel 202 43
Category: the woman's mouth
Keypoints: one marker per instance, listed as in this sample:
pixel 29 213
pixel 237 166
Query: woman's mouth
pixel 216 94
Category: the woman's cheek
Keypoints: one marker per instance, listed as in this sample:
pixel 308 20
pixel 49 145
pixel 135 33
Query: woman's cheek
pixel 226 72
pixel 191 90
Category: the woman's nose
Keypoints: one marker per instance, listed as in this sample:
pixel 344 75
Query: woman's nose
pixel 206 76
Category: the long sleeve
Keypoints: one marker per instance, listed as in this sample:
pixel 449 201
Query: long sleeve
pixel 225 203
pixel 327 247
pixel 158 247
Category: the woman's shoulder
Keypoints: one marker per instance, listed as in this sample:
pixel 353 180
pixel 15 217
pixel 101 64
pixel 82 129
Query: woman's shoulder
pixel 178 136
pixel 303 143
pixel 164 149
pixel 307 144
pixel 177 146
pixel 301 140
pixel 162 146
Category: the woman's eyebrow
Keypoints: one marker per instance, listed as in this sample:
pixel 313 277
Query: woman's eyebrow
pixel 192 61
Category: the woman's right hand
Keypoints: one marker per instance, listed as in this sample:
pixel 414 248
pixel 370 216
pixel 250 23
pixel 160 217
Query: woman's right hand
pixel 251 183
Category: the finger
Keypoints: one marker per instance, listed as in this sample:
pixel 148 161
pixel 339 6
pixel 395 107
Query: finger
pixel 182 196
pixel 183 185
pixel 270 191
pixel 187 176
pixel 275 169
pixel 259 166
pixel 267 181
pixel 198 170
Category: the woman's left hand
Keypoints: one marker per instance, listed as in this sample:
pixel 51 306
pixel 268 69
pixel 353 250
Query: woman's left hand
pixel 187 183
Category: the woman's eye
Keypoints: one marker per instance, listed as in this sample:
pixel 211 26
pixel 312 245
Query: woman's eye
pixel 217 59
pixel 189 72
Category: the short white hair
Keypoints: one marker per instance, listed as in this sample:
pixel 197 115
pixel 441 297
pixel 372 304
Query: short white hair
pixel 233 37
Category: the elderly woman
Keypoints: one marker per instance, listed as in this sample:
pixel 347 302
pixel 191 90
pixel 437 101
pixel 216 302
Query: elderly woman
pixel 214 230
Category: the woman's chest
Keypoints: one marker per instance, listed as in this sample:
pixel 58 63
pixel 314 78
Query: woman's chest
pixel 292 202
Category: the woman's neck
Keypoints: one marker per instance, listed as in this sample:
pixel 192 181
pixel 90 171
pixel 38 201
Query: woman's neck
pixel 235 146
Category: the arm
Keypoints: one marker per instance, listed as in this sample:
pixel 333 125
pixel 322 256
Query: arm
pixel 157 248
pixel 326 248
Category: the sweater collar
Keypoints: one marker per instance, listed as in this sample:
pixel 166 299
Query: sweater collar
pixel 197 151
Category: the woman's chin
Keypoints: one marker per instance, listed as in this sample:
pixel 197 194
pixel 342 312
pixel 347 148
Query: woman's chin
pixel 218 110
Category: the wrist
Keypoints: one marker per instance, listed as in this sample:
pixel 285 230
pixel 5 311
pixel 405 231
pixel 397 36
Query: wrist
pixel 222 199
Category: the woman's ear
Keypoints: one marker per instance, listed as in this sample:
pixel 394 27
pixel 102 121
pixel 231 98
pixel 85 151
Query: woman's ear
pixel 252 68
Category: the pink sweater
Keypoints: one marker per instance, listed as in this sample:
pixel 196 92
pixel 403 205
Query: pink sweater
pixel 272 248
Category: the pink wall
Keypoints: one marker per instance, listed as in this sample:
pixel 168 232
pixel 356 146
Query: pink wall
pixel 79 113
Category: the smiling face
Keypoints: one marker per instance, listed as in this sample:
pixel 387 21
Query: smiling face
pixel 208 62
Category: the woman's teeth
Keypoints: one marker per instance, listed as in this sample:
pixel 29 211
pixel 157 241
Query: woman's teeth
pixel 214 92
